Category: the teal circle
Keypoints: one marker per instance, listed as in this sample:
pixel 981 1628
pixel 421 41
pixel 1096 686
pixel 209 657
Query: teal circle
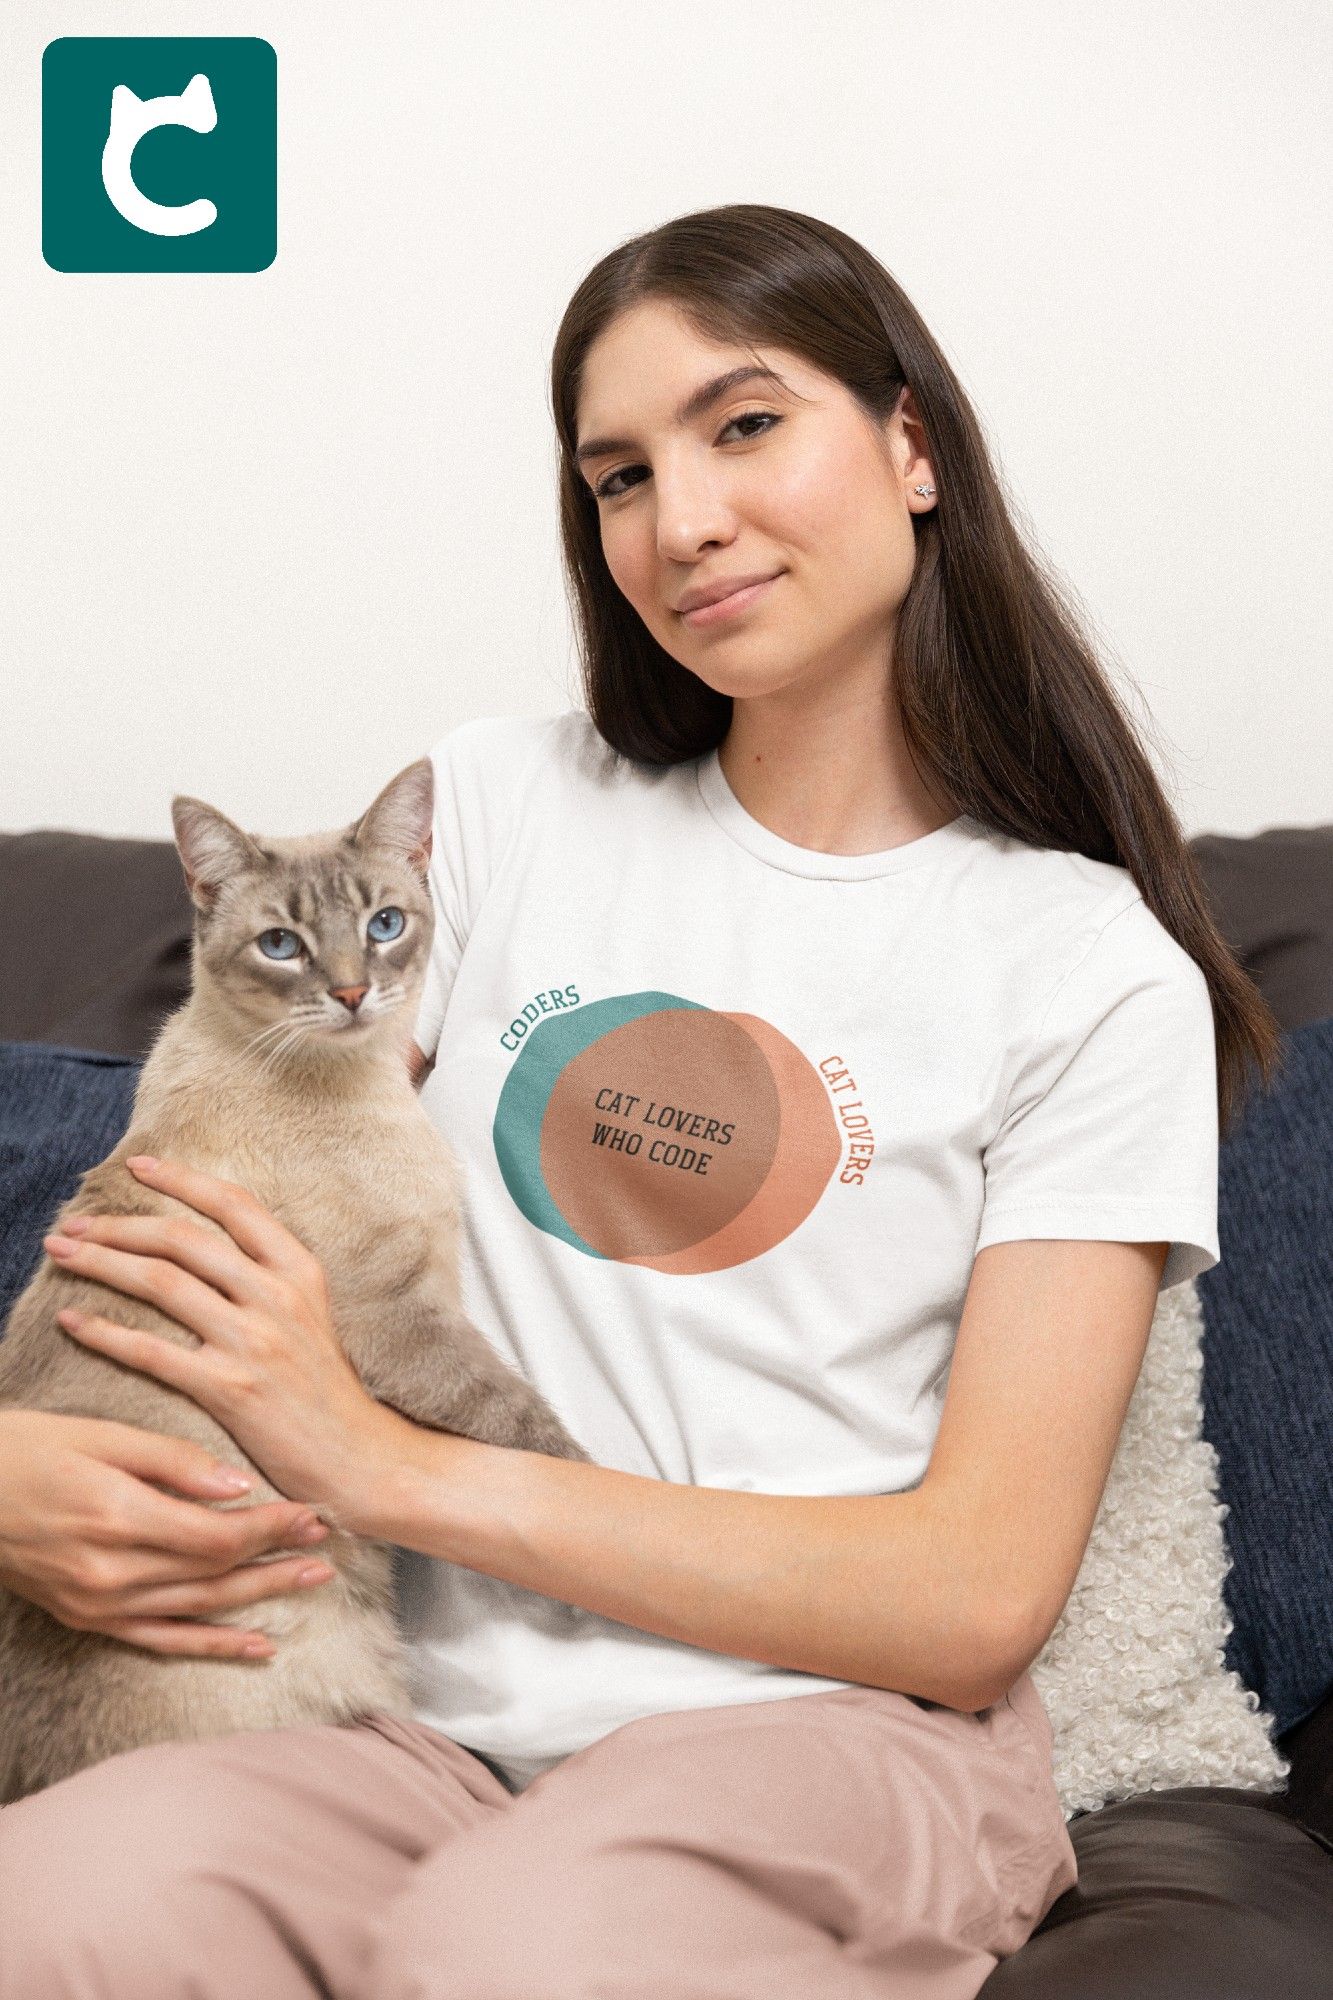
pixel 546 1053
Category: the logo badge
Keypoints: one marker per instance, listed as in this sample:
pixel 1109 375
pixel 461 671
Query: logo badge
pixel 159 153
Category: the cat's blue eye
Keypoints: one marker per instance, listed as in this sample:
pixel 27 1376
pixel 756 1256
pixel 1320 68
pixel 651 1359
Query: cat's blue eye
pixel 396 924
pixel 279 943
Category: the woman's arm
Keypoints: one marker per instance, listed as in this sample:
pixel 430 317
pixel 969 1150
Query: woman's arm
pixel 948 1591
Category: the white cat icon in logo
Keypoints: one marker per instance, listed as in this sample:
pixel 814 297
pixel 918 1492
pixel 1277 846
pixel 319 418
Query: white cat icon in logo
pixel 131 118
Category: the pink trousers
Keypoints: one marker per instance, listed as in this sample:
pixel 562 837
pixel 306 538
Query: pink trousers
pixel 849 1844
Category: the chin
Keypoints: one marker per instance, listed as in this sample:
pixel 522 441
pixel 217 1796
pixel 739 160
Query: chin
pixel 734 680
pixel 355 1031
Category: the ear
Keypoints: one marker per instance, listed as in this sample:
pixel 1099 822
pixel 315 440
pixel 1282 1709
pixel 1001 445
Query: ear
pixel 400 819
pixel 212 848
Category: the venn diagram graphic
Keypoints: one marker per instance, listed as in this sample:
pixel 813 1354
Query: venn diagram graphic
pixel 651 1130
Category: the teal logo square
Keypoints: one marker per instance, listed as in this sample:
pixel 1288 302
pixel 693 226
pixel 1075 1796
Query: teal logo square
pixel 159 153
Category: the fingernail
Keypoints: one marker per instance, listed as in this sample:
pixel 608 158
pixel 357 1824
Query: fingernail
pixel 59 1246
pixel 315 1573
pixel 76 1226
pixel 314 1533
pixel 258 1648
pixel 141 1160
pixel 228 1481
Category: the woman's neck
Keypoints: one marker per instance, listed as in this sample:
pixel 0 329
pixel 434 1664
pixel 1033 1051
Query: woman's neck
pixel 836 777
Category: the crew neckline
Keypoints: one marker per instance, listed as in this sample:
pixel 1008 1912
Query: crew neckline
pixel 770 847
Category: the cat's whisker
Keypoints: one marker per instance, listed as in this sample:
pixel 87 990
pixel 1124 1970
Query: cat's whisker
pixel 272 1060
pixel 262 1034
pixel 275 1035
pixel 263 1065
pixel 285 1021
pixel 295 1034
pixel 240 1059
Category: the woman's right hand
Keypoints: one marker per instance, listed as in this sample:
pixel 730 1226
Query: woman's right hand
pixel 86 1536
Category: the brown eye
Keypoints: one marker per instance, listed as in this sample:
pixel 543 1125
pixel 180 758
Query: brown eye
pixel 769 419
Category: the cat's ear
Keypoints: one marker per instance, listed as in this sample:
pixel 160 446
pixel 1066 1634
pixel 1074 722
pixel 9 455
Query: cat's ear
pixel 212 848
pixel 400 818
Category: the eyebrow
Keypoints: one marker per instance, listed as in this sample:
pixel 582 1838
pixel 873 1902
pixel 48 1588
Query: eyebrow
pixel 694 406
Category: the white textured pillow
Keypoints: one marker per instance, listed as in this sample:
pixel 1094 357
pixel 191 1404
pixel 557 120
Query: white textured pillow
pixel 1133 1677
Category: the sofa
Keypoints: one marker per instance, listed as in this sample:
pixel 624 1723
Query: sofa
pixel 1198 1893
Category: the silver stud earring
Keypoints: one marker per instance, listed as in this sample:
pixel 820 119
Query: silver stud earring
pixel 924 491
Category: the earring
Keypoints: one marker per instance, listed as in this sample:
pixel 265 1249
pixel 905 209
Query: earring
pixel 924 491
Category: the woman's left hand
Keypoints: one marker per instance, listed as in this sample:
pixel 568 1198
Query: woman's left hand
pixel 269 1367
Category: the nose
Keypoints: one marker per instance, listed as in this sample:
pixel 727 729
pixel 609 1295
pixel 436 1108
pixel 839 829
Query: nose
pixel 351 996
pixel 693 514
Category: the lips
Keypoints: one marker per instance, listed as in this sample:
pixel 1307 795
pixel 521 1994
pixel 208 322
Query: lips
pixel 733 603
pixel 727 586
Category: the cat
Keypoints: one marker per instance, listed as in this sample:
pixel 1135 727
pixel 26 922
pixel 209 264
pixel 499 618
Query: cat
pixel 266 1077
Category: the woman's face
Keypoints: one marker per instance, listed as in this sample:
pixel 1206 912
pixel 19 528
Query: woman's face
pixel 785 479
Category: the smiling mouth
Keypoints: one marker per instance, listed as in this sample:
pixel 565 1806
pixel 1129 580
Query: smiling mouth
pixel 730 606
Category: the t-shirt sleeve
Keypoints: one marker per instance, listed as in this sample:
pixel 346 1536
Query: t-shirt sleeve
pixel 479 770
pixel 1110 1128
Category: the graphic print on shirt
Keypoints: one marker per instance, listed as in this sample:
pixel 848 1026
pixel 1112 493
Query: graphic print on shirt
pixel 652 1130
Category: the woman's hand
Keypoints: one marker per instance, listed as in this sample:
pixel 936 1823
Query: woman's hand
pixel 85 1534
pixel 269 1368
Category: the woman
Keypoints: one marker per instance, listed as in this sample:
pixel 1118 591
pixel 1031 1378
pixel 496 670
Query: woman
pixel 836 1041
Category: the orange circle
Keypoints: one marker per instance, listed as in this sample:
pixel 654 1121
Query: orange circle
pixel 682 1140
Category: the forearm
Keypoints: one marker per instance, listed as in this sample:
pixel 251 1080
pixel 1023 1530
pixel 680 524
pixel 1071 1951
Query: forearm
pixel 867 1589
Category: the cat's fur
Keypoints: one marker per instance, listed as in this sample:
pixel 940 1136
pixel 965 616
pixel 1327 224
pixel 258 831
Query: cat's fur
pixel 263 1079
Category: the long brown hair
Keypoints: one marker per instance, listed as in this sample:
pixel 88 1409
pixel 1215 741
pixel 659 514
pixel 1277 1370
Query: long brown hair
pixel 1003 701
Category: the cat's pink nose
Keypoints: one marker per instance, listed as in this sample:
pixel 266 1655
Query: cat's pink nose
pixel 351 996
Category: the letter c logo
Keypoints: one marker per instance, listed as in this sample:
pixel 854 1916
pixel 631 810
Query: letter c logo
pixel 131 118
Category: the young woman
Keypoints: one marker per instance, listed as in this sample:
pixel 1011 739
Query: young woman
pixel 836 1040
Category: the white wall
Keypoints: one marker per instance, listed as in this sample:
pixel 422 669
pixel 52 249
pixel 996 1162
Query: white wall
pixel 264 537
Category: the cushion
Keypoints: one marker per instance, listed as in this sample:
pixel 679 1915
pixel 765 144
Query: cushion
pixel 106 928
pixel 1272 898
pixel 61 1112
pixel 1200 1626
pixel 1133 1677
pixel 1309 1794
pixel 1199 1896
pixel 1268 1378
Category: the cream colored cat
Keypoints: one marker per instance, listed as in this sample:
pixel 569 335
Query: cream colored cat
pixel 286 1071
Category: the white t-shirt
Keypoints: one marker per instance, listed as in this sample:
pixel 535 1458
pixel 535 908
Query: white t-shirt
pixel 735 1117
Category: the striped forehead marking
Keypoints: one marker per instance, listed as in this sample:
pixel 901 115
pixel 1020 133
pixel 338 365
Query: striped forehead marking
pixel 307 894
